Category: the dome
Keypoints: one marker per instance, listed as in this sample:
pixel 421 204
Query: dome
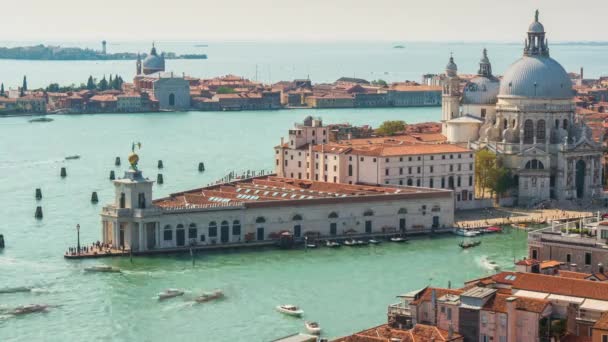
pixel 451 68
pixel 154 62
pixel 536 77
pixel 481 91
pixel 536 27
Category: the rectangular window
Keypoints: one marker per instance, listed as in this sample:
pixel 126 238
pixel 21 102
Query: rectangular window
pixel 604 234
pixel 386 172
pixel 409 170
pixel 202 237
pixel 361 159
pixel 387 160
pixel 335 179
pixel 286 162
pixel 277 162
pixel 587 258
pixel 418 169
pixel 604 338
pixel 168 235
pixel 350 170
pixel 400 170
pixel 299 164
pixel 451 168
pixel 192 233
pixel 568 258
pixel 431 169
pixel 212 231
pixel 459 167
pixel 335 168
pixel 409 158
pixel 449 313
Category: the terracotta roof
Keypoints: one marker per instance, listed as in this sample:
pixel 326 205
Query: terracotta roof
pixel 550 264
pixel 498 303
pixel 602 323
pixel 103 98
pixel 527 262
pixel 389 148
pixel 427 294
pixel 574 275
pixel 383 333
pixel 574 338
pixel 561 286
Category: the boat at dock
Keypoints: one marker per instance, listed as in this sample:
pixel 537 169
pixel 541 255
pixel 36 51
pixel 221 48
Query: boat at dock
pixel 469 244
pixel 102 268
pixel 170 293
pixel 465 232
pixel 493 229
pixel 312 327
pixel 374 242
pixel 290 310
pixel 332 244
pixel 310 245
pixel 519 226
pixel 398 239
pixel 207 297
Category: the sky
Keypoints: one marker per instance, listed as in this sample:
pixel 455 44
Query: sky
pixel 306 20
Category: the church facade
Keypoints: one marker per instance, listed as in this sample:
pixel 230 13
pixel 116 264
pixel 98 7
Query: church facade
pixel 528 119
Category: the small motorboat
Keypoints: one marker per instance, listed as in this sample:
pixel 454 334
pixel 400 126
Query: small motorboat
pixel 350 243
pixel 519 226
pixel 469 244
pixel 332 244
pixel 206 297
pixel 290 310
pixel 465 232
pixel 311 245
pixel 170 293
pixel 72 157
pixel 313 327
pixel 361 243
pixel 398 239
pixel 27 309
pixel 102 268
pixel 41 120
pixel 493 229
pixel 374 242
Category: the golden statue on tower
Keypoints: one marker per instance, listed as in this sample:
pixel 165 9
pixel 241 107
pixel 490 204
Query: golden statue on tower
pixel 133 157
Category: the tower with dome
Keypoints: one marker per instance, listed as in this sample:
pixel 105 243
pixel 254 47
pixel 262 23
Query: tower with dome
pixel 528 119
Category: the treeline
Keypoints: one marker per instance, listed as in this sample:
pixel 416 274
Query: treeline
pixel 41 52
pixel 113 83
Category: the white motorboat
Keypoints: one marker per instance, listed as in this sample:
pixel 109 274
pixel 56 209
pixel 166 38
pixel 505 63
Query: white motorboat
pixel 374 242
pixel 313 327
pixel 332 244
pixel 102 268
pixel 361 243
pixel 290 310
pixel 398 239
pixel 170 293
pixel 465 232
pixel 27 309
pixel 311 245
pixel 350 243
pixel 206 297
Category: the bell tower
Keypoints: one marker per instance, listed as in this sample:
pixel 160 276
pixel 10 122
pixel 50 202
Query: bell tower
pixel 450 98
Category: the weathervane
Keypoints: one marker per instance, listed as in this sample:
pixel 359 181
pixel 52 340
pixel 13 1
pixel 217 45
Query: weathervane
pixel 133 157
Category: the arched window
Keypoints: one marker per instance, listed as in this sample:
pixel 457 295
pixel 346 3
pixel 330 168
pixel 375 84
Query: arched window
pixel 368 212
pixel 168 233
pixel 556 123
pixel 402 211
pixel 528 132
pixel 122 200
pixel 212 229
pixel 565 126
pixel 236 227
pixel 540 130
pixel 505 124
pixel 192 233
pixel 297 217
pixel 171 99
pixel 513 123
pixel 409 182
pixel 260 219
pixel 333 215
pixel 535 164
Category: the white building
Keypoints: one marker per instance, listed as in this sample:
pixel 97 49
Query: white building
pixel 259 210
pixel 126 103
pixel 421 160
pixel 528 119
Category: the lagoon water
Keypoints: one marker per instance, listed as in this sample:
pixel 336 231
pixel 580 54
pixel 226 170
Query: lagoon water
pixel 345 290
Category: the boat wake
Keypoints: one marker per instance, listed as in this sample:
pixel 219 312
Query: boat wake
pixel 488 264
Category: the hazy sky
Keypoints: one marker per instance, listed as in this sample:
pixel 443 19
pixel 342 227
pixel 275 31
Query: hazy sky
pixel 393 20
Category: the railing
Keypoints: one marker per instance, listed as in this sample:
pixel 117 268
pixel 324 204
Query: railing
pixel 555 233
pixel 400 308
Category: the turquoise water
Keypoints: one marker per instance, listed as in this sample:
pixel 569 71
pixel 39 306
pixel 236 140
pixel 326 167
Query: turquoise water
pixel 323 62
pixel 345 290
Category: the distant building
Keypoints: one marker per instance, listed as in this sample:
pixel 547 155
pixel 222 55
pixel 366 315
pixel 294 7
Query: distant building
pixel 152 63
pixel 128 103
pixel 171 92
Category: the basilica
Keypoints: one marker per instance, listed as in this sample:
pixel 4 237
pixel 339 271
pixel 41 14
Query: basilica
pixel 528 119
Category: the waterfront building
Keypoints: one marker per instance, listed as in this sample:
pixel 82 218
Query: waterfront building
pixel 421 160
pixel 528 119
pixel 103 103
pixel 172 92
pixel 31 104
pixel 257 211
pixel 129 103
pixel 408 95
pixel 509 307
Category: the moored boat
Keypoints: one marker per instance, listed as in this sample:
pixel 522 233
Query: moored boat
pixel 332 244
pixel 398 239
pixel 465 232
pixel 102 268
pixel 290 310
pixel 312 327
pixel 311 245
pixel 494 229
pixel 206 297
pixel 519 226
pixel 72 157
pixel 374 242
pixel 350 243
pixel 170 293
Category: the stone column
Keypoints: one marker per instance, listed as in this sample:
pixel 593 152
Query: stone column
pixel 141 227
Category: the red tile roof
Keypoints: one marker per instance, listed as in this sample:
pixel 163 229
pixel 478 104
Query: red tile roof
pixel 574 275
pixel 427 294
pixel 561 286
pixel 383 333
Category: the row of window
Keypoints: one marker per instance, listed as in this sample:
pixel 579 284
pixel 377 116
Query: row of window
pixel 450 181
pixel 418 169
pixel 211 230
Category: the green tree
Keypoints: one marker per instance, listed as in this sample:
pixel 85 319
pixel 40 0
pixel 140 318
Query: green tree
pixel 103 84
pixel 380 83
pixel 91 83
pixel 225 90
pixel 111 82
pixel 485 169
pixel 501 181
pixel 391 127
pixel 53 88
pixel 2 89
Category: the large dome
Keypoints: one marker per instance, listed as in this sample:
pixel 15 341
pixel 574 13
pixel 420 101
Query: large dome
pixel 481 90
pixel 154 62
pixel 536 77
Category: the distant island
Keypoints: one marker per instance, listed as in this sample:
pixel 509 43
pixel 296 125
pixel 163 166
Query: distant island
pixel 58 53
pixel 398 47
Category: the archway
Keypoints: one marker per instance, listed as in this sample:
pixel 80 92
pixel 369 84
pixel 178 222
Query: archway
pixel 528 131
pixel 171 99
pixel 580 178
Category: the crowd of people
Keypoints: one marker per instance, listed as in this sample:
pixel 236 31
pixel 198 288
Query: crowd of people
pixel 93 248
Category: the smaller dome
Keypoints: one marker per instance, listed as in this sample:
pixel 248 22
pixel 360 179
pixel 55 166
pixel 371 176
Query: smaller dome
pixel 481 90
pixel 536 27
